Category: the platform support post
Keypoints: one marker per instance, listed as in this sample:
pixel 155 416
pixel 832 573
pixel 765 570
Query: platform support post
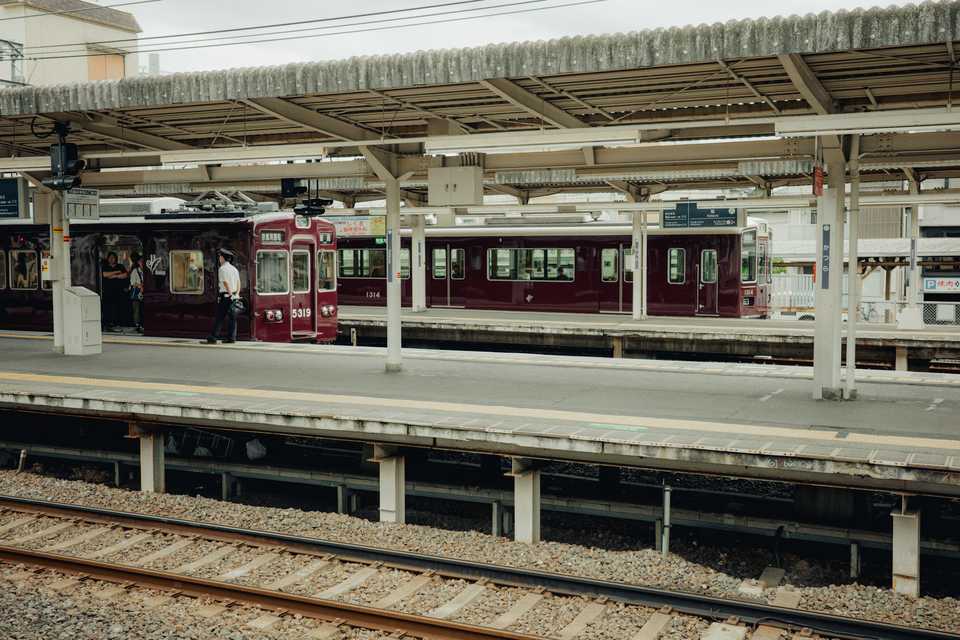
pixel 226 486
pixel 827 383
pixel 152 463
pixel 902 359
pixel 638 245
pixel 117 473
pixel 911 318
pixel 854 560
pixel 906 550
pixel 665 545
pixel 384 164
pixel 526 501
pixel 853 274
pixel 343 499
pixel 393 492
pixel 60 254
pixel 496 514
pixel 658 534
pixel 418 263
pixel 394 363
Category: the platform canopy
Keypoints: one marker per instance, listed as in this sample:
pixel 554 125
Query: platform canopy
pixel 729 81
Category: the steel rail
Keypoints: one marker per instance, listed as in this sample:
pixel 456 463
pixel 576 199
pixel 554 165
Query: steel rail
pixel 328 610
pixel 695 604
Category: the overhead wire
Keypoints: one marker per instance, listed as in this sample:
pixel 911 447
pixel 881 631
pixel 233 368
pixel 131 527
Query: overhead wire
pixel 370 14
pixel 312 29
pixel 336 33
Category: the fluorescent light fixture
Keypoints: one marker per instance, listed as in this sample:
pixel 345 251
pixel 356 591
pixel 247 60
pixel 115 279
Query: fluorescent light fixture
pixel 546 140
pixel 899 121
pixel 266 153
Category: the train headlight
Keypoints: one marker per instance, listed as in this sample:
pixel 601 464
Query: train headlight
pixel 274 315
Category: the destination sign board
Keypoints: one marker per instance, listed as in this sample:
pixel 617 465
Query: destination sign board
pixel 687 215
pixel 13 198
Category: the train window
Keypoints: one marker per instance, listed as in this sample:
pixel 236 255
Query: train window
pixel 3 270
pixel 708 266
pixel 531 264
pixel 186 272
pixel 748 256
pixel 763 263
pixel 326 271
pixel 609 271
pixel 370 263
pixel 301 271
pixel 458 263
pixel 373 263
pixel 24 270
pixel 273 274
pixel 677 266
pixel 628 265
pixel 345 265
pixel 440 263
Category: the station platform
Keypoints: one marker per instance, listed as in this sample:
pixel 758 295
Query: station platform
pixel 731 419
pixel 877 344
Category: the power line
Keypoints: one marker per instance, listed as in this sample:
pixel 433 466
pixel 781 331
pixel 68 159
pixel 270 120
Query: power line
pixel 83 10
pixel 371 14
pixel 311 29
pixel 336 33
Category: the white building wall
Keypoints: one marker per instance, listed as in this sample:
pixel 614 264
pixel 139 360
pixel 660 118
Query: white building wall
pixel 52 29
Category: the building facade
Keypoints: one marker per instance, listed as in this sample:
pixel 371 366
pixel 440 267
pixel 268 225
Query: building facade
pixel 47 42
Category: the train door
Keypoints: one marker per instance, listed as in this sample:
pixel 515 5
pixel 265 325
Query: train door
pixel 303 318
pixel 708 290
pixel 616 279
pixel 448 269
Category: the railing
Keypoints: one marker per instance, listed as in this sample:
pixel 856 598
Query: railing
pixel 792 292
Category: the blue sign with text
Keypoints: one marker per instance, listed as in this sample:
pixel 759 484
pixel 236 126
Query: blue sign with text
pixel 10 193
pixel 689 215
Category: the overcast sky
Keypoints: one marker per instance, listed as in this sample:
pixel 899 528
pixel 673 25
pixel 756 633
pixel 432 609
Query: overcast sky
pixel 181 16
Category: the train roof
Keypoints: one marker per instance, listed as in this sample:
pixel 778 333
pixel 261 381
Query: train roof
pixel 179 218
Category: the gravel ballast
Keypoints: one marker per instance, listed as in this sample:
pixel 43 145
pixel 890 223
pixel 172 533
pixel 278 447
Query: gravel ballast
pixel 642 566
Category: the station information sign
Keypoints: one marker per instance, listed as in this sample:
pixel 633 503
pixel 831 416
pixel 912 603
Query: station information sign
pixel 359 226
pixel 941 285
pixel 687 215
pixel 13 198
pixel 81 204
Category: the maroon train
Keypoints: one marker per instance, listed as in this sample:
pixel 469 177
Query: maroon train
pixel 286 263
pixel 716 272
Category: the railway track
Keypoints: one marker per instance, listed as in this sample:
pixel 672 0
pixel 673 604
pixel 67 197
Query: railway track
pixel 383 590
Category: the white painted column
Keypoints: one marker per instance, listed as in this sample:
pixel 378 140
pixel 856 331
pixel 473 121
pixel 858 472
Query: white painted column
pixel 639 261
pixel 394 362
pixel 152 471
pixel 57 230
pixel 526 502
pixel 393 491
pixel 829 287
pixel 853 274
pixel 911 317
pixel 418 263
pixel 906 552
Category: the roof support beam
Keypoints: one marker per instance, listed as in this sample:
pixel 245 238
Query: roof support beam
pixel 807 83
pixel 749 85
pixel 533 104
pixel 110 128
pixel 303 117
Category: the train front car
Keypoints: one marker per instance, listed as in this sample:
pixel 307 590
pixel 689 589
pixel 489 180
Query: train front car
pixel 295 294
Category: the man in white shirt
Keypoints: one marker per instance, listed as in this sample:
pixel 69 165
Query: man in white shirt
pixel 228 290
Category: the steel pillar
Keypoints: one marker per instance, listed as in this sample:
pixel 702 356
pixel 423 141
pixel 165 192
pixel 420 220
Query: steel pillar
pixel 496 514
pixel 418 263
pixel 394 362
pixel 665 543
pixel 639 263
pixel 853 273
pixel 829 287
pixel 152 464
pixel 911 317
pixel 60 255
pixel 393 490
pixel 906 551
pixel 526 502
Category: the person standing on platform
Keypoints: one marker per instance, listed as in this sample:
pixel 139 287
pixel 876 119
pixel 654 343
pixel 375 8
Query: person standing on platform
pixel 228 296
pixel 114 278
pixel 136 290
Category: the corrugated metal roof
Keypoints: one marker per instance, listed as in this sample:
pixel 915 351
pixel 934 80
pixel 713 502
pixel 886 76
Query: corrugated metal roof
pixel 929 22
pixel 84 11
